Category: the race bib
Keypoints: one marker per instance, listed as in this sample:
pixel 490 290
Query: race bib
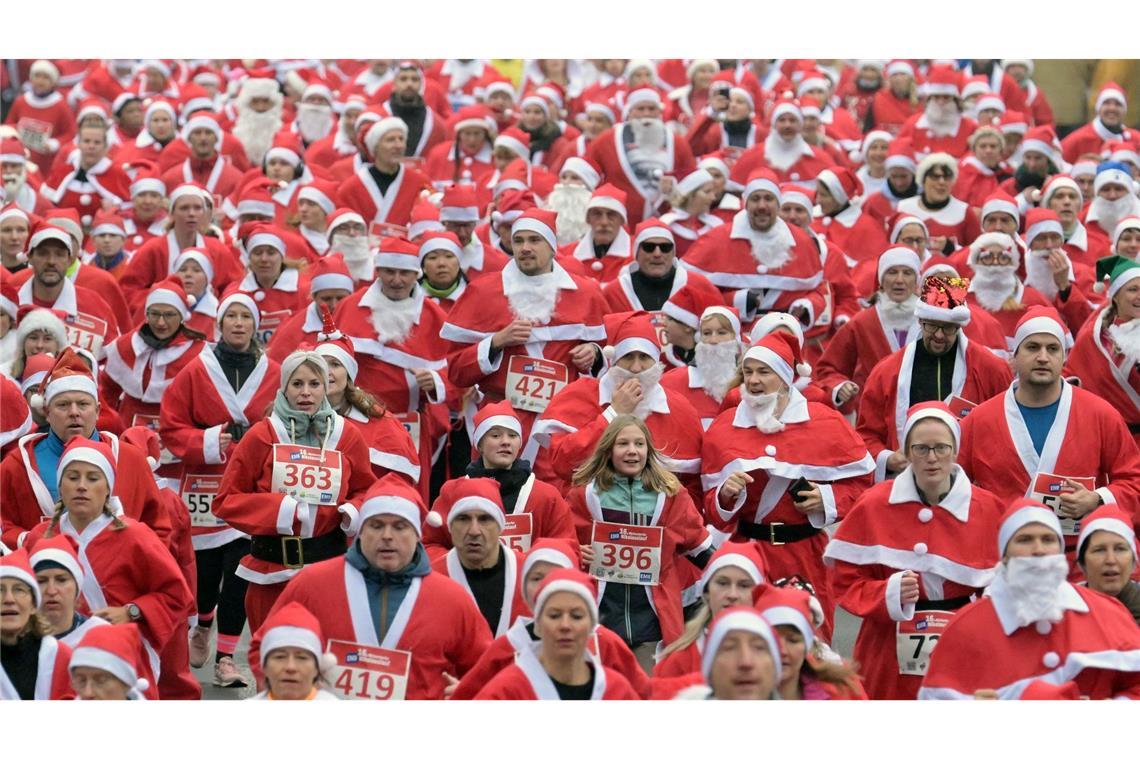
pixel 307 474
pixel 270 321
pixel 1047 489
pixel 198 492
pixel 386 229
pixel 658 320
pixel 532 383
pixel 915 640
pixel 34 133
pixel 411 423
pixel 518 531
pixel 86 332
pixel 627 553
pixel 145 420
pixel 364 672
pixel 959 406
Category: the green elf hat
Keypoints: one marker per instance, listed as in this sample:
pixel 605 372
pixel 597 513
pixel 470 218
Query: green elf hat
pixel 1113 272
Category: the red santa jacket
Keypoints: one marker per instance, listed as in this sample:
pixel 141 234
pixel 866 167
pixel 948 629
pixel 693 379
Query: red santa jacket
pixel 43 122
pixel 1075 309
pixel 438 622
pixel 858 234
pixel 217 175
pixel 394 207
pixel 889 112
pixel 477 260
pixel 136 376
pixel 301 327
pixel 390 446
pixel 1090 139
pixel 329 149
pixel 444 168
pixel 686 382
pixel 978 375
pixel 1104 371
pixel 917 130
pixel 856 348
pixel 975 182
pixel 955 220
pixel 607 152
pixel 105 183
pixel 513 605
pixel 53 678
pixel 89 321
pixel 889 531
pixel 688 229
pixel 620 295
pixel 288 295
pixel 92 278
pixel 526 679
pixel 154 262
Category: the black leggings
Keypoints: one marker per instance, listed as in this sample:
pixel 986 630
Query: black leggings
pixel 219 586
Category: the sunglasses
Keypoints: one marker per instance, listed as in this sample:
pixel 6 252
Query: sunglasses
pixel 651 247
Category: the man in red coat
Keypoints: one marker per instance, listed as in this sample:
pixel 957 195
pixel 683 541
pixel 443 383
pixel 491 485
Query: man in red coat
pixel 942 365
pixel 635 154
pixel 1033 626
pixel 459 214
pixel 41 116
pixel 383 190
pixel 941 127
pixel 605 249
pixel 205 165
pixel 91 181
pixel 839 194
pixel 784 151
pixel 1111 106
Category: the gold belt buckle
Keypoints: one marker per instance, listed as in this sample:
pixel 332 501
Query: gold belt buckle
pixel 286 542
pixel 772 534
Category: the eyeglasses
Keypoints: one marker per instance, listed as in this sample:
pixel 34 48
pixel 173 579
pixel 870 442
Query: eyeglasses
pixel 162 316
pixel 912 242
pixel 989 258
pixel 651 247
pixel 931 328
pixel 922 450
pixel 945 176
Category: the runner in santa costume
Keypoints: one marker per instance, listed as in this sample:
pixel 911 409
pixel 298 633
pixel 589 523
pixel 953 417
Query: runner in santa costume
pixel 641 534
pixel 141 364
pixel 1106 352
pixel 784 151
pixel 383 190
pixel 706 382
pixel 579 414
pixel 741 659
pixel 487 569
pixel 759 261
pixel 844 224
pixel 912 552
pixel 41 115
pixel 678 321
pixel 390 447
pixel 37 665
pixel 118 651
pixel 383 599
pixel 459 213
pixel 1114 199
pixel 195 267
pixel 605 250
pixel 1111 106
pixel 1032 624
pixel 941 365
pixel 690 217
pixel 941 126
pixel 329 283
pixel 875 333
pixel 130 576
pixel 285 479
pixel 206 163
pixel 444 280
pixel 534 509
pixel 88 180
pixel 561 667
pixel 1106 552
pixel 293 656
pixel 28 486
pixel 1044 438
pixel 546 556
pixel 274 282
pixel 653 277
pixel 467 158
pixel 900 183
pixel 533 310
pixel 146 219
pixel 949 221
pixel 207 409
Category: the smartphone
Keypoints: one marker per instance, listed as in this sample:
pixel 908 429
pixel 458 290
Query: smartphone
pixel 798 487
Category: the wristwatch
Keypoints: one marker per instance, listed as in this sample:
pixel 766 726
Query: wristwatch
pixel 133 612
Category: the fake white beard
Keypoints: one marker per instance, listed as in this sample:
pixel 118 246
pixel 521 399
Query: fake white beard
pixel 357 256
pixel 314 121
pixel 13 183
pixel 717 363
pixel 782 154
pixel 993 285
pixel 897 316
pixel 943 120
pixel 255 131
pixel 763 407
pixel 649 134
pixel 395 319
pixel 1126 336
pixel 773 248
pixel 1034 585
pixel 648 380
pixel 1109 213
pixel 1038 275
pixel 570 202
pixel 535 298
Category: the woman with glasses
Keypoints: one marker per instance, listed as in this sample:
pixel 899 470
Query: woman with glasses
pixel 911 552
pixel 949 221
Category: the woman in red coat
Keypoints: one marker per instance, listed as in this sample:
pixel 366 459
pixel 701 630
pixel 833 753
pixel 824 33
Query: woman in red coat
pixel 274 283
pixel 195 267
pixel 34 662
pixel 285 482
pixel 690 217
pixel 566 613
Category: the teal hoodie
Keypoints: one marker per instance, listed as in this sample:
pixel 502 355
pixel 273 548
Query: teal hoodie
pixel 386 591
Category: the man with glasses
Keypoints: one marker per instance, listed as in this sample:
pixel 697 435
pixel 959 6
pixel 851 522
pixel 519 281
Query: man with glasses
pixel 942 365
pixel 948 220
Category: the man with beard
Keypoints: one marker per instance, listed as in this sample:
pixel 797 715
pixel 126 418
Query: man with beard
pixel 1001 214
pixel 942 365
pixel 459 213
pixel 1111 107
pixel 760 262
pixel 596 118
pixel 340 142
pixel 466 159
pixel 900 184
pixel 784 151
pixel 570 199
pixel 892 105
pixel 1043 428
pixel 532 310
pixel 315 119
pixel 1115 199
pixel 716 356
pixel 605 248
pixel 653 277
pixel 779 469
pixel 259 105
pixel 14 174
pixel 1033 626
pixel 876 333
pixel 839 194
pixel 941 127
pixel 637 153
pixel 425 130
pixel 205 166
pixel 1036 160
pixel 383 190
pixel 572 425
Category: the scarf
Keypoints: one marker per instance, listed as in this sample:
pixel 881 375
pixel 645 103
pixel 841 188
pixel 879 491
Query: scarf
pixel 441 293
pixel 510 481
pixel 305 429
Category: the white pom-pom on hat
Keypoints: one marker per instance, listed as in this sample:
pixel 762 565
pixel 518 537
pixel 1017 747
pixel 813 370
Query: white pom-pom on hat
pixel 770 450
pixel 36 402
pixel 1101 286
pixel 327 662
pixel 434 519
pixel 803 369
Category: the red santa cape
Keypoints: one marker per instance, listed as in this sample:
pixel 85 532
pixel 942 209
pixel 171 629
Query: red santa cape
pixel 858 234
pixel 90 323
pixel 607 152
pixel 393 207
pixel 136 376
pixel 527 679
pixel 1105 372
pixel 917 130
pixel 856 348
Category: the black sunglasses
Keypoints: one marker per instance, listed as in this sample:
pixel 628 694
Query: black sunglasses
pixel 651 247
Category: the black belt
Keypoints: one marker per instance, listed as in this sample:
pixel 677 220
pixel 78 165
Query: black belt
pixel 776 533
pixel 946 605
pixel 294 552
pixel 1134 427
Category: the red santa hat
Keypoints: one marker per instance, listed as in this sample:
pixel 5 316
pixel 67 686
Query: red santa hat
pixel 203 120
pixel 189 190
pixel 12 151
pixel 627 332
pixel 773 320
pixel 1039 221
pixel 781 352
pixel 378 129
pixel 899 66
pixel 943 80
pixel 330 273
pixel 93 107
pixel 516 141
pixel 693 181
pixel 649 229
pixel 1024 512
pixel 944 160
pixel 31 319
pixel 146 440
pixel 743 556
pixel 1121 150
pixel 1042 140
pixel 243 299
pixel 989 239
pixel 342 216
pixel 841 182
pixel 1125 224
pixel 392 495
pixel 715 161
pixel 10 301
pixel 639 96
pixel 813 80
pixel 570 580
pixel 96 453
pixel 472 495
pixel 425 218
pixel 688 303
pixel 62 550
pixel 1111 91
pixel 44 66
pixel 899 256
pixel 609 197
pixel 439 241
pixel 933 410
pixel 536 99
pixel 332 343
pixel 321 192
pixel 1013 123
pixel 108 223
pixel 47 232
pixel 164 105
pixel 1040 689
pixel 999 201
pixel 797 195
pixel 12 211
pixel 978 84
pixel 787 106
pixel 256 198
pixel 944 300
pixel 737 619
pixel 292 625
pixel 459 205
pixel 900 155
pixel 584 170
pixel 729 313
pixel 17 565
pixel 560 552
pixel 500 414
pixel 171 293
pixel 476 115
pixel 397 253
pixel 1108 517
pixel 115 649
pixel 787 606
pixel 194 97
pixel 69 374
pixel 1041 319
pixel 763 179
pixel 542 222
pixel 602 109
pixel 511 205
